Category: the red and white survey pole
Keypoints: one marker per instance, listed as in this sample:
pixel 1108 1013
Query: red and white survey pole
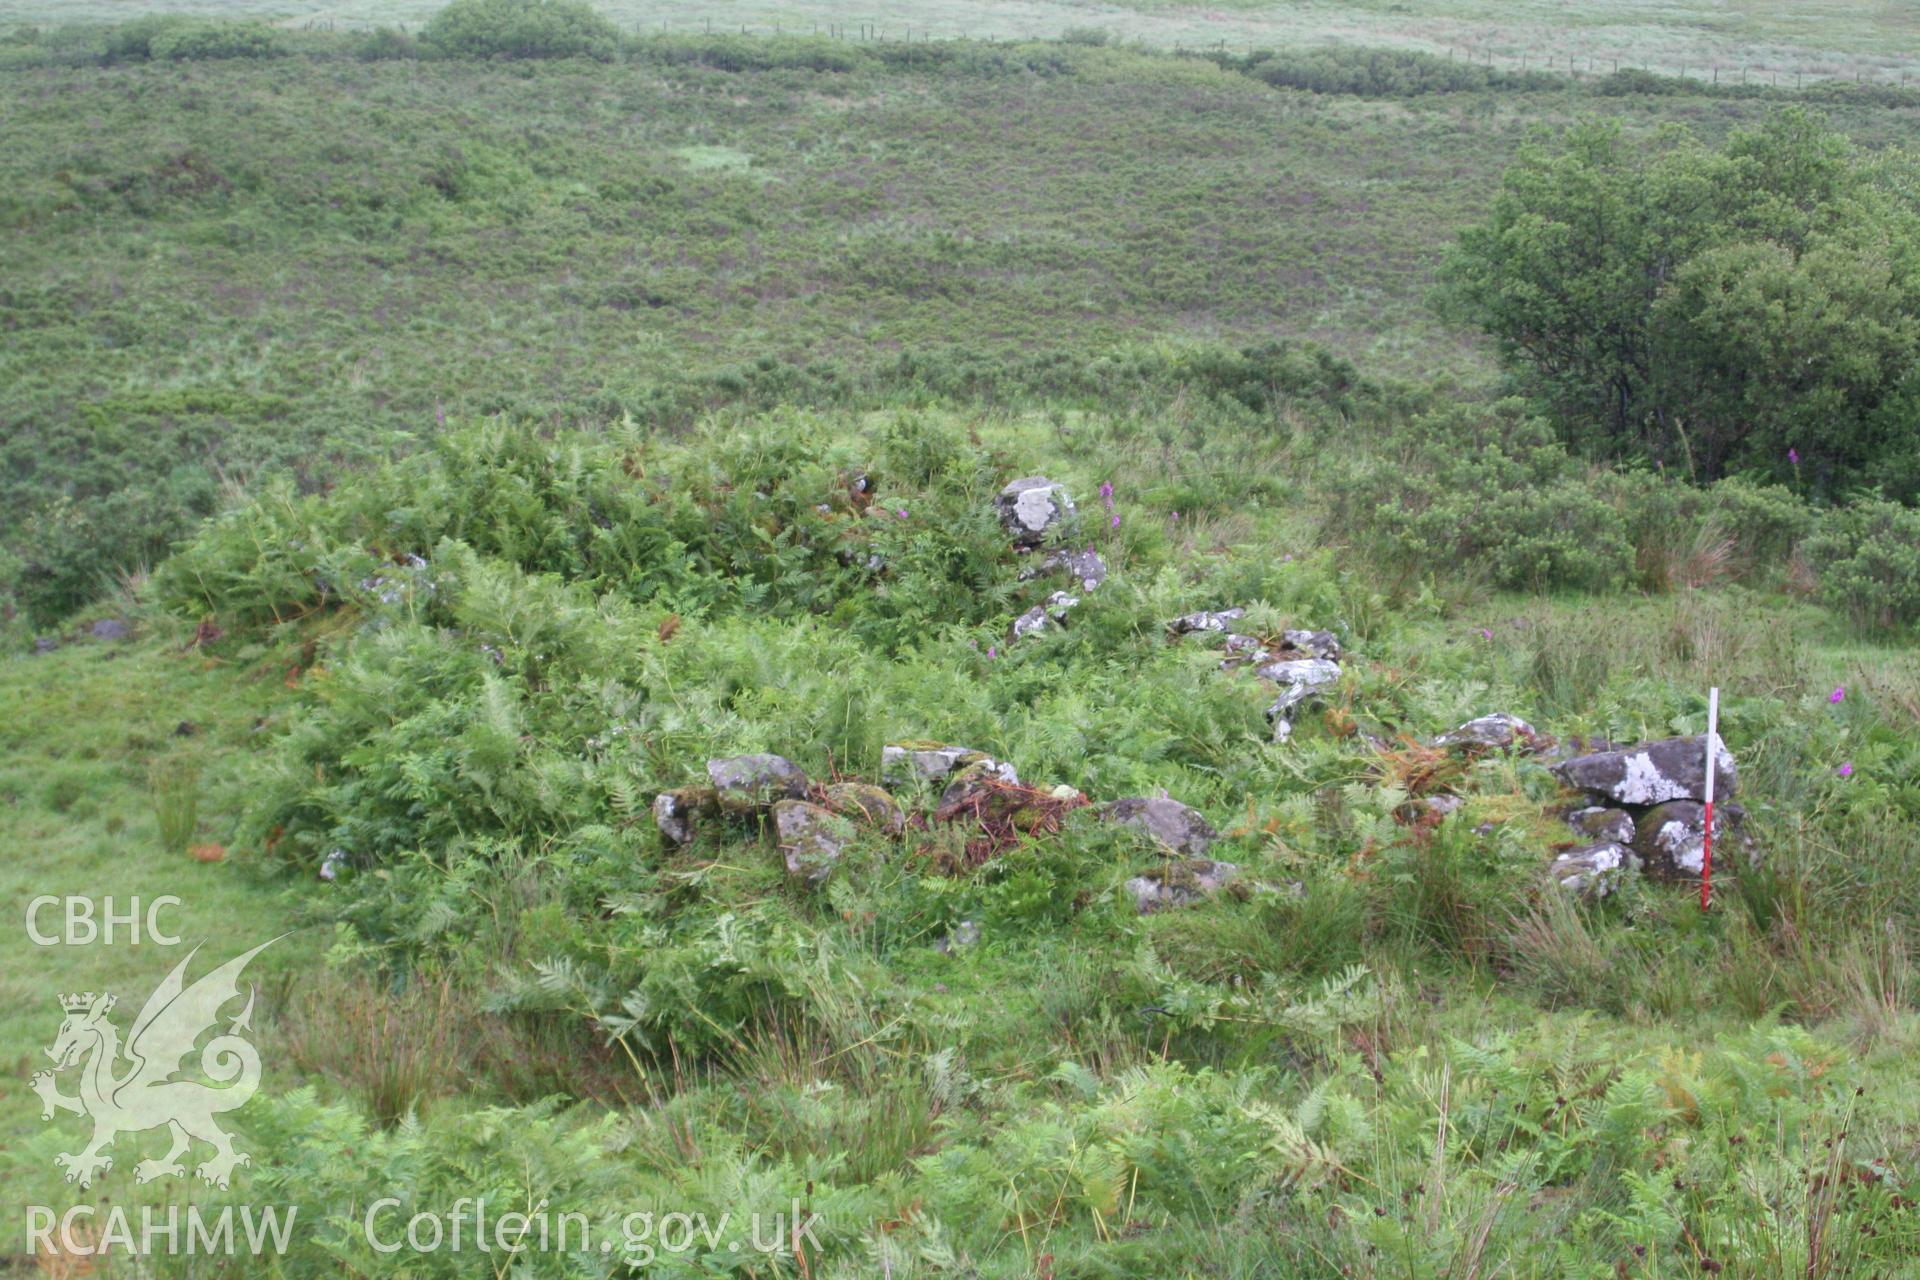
pixel 1706 854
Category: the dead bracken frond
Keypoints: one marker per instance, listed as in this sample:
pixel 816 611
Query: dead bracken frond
pixel 1419 769
pixel 994 815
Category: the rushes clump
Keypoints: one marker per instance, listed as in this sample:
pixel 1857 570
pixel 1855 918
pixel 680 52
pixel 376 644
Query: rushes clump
pixel 174 786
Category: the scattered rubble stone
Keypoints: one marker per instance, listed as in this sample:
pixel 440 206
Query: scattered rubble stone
pixel 1300 679
pixel 1429 809
pixel 1180 884
pixel 1597 822
pixel 750 782
pixel 1036 619
pixel 1173 824
pixel 1320 644
pixel 867 804
pixel 1497 732
pixel 1596 870
pixel 812 839
pixel 1205 620
pixel 678 813
pixel 965 934
pixel 908 763
pixel 1085 566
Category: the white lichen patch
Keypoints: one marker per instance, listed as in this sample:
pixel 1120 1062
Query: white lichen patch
pixel 1643 783
pixel 1034 508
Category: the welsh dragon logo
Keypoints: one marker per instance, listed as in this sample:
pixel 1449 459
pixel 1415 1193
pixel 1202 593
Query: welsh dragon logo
pixel 143 1094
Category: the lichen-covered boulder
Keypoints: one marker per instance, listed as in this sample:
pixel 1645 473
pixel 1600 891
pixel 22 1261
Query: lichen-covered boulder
pixel 1041 616
pixel 1205 620
pixel 812 839
pixel 1173 824
pixel 678 813
pixel 1596 870
pixel 1497 732
pixel 1671 838
pixel 1179 884
pixel 1652 773
pixel 1084 566
pixel 1032 508
pixel 919 763
pixel 1597 822
pixel 868 805
pixel 747 783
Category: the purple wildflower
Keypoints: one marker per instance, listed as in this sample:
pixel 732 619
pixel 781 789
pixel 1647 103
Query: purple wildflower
pixel 1838 695
pixel 993 651
pixel 902 513
pixel 1793 456
pixel 1115 523
pixel 1485 634
pixel 1845 770
pixel 1106 493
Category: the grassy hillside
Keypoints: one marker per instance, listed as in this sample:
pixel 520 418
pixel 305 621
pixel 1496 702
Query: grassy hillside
pixel 416 469
pixel 239 269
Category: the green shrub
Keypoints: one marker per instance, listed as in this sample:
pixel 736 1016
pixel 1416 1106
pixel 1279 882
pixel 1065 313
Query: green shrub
pixel 1713 311
pixel 383 43
pixel 521 29
pixel 133 41
pixel 1868 558
pixel 1485 490
pixel 1767 522
pixel 1684 535
pixel 198 41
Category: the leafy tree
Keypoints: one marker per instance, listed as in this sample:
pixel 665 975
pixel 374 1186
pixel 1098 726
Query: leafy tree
pixel 521 29
pixel 1711 310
